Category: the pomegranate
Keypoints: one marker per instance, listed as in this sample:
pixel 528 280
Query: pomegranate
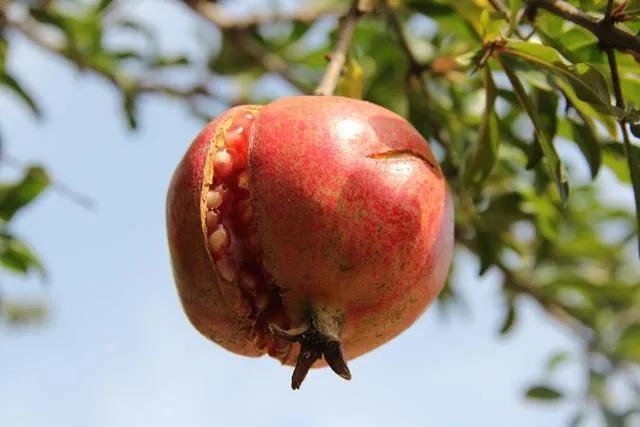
pixel 310 228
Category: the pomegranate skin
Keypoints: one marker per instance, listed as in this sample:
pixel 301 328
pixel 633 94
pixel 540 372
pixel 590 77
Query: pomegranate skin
pixel 353 214
pixel 213 306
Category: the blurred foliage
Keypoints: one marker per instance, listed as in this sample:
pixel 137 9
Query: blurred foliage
pixel 15 255
pixel 504 93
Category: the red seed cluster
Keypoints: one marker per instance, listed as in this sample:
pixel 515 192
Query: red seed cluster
pixel 233 239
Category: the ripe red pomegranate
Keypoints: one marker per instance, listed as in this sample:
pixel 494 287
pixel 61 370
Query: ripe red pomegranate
pixel 309 228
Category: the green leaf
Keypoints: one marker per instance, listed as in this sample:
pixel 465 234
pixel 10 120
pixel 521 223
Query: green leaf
pixel 472 13
pixel 628 346
pixel 613 419
pixel 48 17
pixel 103 4
pixel 130 109
pixel 556 168
pixel 616 164
pixel 431 8
pixel 630 86
pixel 11 83
pixel 588 83
pixel 509 319
pixel 488 249
pixel 589 77
pixel 490 27
pixel 4 48
pixel 485 151
pixel 424 115
pixel 614 157
pixel 16 196
pixel 515 6
pixel 170 61
pixel 16 256
pixel 504 209
pixel 556 360
pixel 231 60
pixel 141 30
pixel 633 160
pixel 543 392
pixel 546 102
pixel 20 314
pixel 573 42
pixel 126 54
pixel 587 113
pixel 585 135
pixel 576 420
pixel 83 31
pixel 351 80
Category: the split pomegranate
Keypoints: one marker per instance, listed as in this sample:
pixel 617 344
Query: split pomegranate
pixel 312 229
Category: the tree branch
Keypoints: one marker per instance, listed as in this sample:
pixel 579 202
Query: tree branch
pixel 615 79
pixel 237 32
pixel 521 285
pixel 608 35
pixel 339 56
pixel 124 83
pixel 214 13
pixel 515 282
pixel 268 61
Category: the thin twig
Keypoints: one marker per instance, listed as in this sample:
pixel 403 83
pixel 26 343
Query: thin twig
pixel 607 14
pixel 172 91
pixel 504 12
pixel 608 35
pixel 415 74
pixel 60 187
pixel 415 67
pixel 339 56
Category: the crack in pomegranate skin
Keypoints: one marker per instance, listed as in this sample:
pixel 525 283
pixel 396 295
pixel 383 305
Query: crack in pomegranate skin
pixel 232 237
pixel 393 154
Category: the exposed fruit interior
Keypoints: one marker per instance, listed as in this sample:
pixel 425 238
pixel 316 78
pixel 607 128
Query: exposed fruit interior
pixel 232 234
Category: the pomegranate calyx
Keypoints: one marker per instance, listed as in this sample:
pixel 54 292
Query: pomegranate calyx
pixel 314 345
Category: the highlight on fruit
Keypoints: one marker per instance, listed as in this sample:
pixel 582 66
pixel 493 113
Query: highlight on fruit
pixel 312 229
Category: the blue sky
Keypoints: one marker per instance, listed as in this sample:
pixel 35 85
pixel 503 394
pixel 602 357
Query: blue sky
pixel 118 351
